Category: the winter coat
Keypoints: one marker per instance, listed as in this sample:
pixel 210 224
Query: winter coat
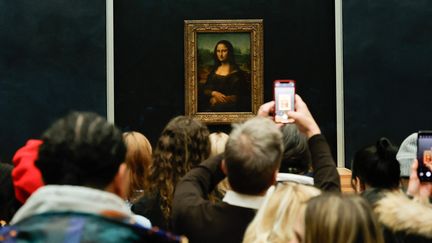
pixel 404 219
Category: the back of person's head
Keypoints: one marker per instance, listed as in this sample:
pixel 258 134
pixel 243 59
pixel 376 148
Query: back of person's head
pixel 281 217
pixel 252 155
pixel 296 157
pixel 333 218
pixel 81 149
pixel 218 141
pixel 9 204
pixel 183 144
pixel 138 160
pixel 376 165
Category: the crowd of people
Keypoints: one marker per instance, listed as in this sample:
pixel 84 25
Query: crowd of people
pixel 86 181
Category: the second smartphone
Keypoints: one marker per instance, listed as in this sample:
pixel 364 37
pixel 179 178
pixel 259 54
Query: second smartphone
pixel 284 93
pixel 424 155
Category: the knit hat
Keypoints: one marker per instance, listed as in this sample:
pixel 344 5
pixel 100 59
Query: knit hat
pixel 25 175
pixel 407 153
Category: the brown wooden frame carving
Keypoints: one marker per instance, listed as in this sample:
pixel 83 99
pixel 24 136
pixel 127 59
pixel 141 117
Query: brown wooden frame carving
pixel 192 28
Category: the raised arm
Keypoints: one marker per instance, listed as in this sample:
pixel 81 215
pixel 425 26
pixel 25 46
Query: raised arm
pixel 191 194
pixel 326 176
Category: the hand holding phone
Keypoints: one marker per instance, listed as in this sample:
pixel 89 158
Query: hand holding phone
pixel 416 189
pixel 424 155
pixel 303 118
pixel 284 93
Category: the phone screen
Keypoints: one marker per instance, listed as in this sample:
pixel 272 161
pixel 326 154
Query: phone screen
pixel 284 92
pixel 424 156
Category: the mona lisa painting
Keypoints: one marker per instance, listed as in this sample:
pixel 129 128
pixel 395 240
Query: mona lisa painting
pixel 223 63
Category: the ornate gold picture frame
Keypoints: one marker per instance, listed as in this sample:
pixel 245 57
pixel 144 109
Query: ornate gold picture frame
pixel 223 69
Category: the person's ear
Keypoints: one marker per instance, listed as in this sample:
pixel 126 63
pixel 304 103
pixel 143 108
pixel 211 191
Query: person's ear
pixel 224 167
pixel 120 184
pixel 272 182
pixel 274 178
pixel 357 185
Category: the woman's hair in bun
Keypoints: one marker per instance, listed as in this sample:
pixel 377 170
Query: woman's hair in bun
pixel 385 149
pixel 377 165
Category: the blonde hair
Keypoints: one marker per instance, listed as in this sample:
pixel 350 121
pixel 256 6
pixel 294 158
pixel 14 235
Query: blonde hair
pixel 138 160
pixel 217 142
pixel 334 218
pixel 276 219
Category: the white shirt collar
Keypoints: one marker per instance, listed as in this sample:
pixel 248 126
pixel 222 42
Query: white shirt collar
pixel 306 180
pixel 243 200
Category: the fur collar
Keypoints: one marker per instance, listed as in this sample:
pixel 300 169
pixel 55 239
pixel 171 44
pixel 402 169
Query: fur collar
pixel 400 214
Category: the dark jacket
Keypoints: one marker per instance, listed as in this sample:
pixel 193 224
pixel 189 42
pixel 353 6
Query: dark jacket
pixel 325 175
pixel 198 218
pixel 8 203
pixel 149 207
pixel 203 221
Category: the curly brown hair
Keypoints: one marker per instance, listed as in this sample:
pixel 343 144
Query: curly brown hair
pixel 183 144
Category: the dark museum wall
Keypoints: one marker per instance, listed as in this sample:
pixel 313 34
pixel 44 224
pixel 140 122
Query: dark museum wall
pixel 149 58
pixel 387 70
pixel 52 60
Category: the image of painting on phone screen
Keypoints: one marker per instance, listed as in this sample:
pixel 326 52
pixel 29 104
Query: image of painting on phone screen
pixel 285 102
pixel 424 156
pixel 284 99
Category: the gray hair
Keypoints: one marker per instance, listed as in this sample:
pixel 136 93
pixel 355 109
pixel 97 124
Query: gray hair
pixel 252 155
pixel 296 157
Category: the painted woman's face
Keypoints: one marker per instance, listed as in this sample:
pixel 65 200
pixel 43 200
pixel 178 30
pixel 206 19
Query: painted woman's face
pixel 222 52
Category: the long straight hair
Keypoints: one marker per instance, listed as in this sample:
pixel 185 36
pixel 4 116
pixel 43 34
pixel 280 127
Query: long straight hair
pixel 281 211
pixel 138 160
pixel 333 218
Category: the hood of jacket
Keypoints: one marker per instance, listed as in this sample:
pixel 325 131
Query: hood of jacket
pixel 399 213
pixel 26 176
pixel 55 198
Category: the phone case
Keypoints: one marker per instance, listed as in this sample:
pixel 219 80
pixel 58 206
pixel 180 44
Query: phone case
pixel 424 155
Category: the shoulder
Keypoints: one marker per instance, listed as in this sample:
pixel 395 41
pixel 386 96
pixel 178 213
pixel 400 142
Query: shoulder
pixel 146 203
pixel 93 227
pixel 399 213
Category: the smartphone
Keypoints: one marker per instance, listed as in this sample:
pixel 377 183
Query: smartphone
pixel 424 155
pixel 284 93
